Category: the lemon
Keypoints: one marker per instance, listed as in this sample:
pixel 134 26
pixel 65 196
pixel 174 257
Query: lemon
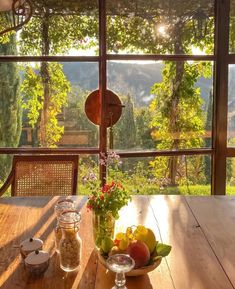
pixel 120 236
pixel 123 241
pixel 147 236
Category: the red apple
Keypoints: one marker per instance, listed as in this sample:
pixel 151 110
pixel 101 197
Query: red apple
pixel 139 251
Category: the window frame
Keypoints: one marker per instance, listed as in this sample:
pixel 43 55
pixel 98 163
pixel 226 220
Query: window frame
pixel 220 58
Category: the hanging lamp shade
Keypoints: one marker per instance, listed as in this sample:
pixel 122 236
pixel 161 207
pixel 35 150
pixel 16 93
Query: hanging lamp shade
pixel 14 14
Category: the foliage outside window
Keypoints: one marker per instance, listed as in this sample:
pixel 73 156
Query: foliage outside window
pixel 176 117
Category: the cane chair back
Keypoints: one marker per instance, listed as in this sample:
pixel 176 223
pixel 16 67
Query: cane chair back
pixel 44 175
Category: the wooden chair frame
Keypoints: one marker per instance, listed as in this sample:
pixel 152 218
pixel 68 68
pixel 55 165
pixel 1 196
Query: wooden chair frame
pixel 11 180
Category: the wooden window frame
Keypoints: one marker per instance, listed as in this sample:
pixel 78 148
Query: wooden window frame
pixel 221 59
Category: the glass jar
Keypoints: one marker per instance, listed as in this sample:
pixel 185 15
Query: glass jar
pixel 70 244
pixel 103 226
pixel 60 207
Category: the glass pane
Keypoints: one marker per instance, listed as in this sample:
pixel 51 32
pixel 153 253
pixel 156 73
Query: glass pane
pixel 184 175
pixel 231 103
pixel 5 168
pixel 42 104
pixel 230 176
pixel 232 27
pixel 160 27
pixel 55 28
pixel 88 174
pixel 168 105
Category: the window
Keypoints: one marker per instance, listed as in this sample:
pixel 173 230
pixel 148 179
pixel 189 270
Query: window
pixel 165 60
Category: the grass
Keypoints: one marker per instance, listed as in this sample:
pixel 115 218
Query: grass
pixel 196 190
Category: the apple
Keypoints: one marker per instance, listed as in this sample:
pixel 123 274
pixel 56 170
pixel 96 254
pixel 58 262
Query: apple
pixel 139 251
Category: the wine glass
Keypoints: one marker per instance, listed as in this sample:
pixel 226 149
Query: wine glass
pixel 120 264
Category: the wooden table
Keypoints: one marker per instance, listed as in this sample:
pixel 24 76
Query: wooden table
pixel 201 231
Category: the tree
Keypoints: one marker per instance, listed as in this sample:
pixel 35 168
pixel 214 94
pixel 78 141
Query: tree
pixel 125 129
pixel 178 115
pixel 10 107
pixel 177 109
pixel 75 113
pixel 144 137
pixel 49 33
pixel 208 128
pixel 34 96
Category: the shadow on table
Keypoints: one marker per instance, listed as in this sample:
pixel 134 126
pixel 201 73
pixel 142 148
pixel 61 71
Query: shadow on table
pixel 10 254
pixel 54 277
pixel 191 260
pixel 33 202
pixel 143 281
pixel 40 202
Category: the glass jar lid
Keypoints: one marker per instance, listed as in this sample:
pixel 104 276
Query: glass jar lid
pixel 37 257
pixel 70 217
pixel 64 205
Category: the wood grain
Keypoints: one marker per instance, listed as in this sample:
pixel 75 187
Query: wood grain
pixel 200 230
pixel 138 212
pixel 216 216
pixel 21 218
pixel 191 262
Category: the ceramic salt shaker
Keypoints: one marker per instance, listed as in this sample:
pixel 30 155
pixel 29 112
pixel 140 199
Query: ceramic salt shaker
pixel 37 262
pixel 30 245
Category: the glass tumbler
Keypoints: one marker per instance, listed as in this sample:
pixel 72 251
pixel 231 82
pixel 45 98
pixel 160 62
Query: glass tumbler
pixel 120 264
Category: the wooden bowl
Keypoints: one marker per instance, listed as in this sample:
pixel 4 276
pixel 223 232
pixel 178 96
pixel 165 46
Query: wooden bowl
pixel 134 272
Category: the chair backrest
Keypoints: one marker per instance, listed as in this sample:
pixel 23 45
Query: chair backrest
pixel 44 175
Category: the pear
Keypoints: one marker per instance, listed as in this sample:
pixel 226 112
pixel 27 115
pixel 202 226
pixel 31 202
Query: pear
pixel 115 250
pixel 106 244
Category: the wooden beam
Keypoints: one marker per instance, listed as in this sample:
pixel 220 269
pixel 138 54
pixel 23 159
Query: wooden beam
pixel 221 97
pixel 102 84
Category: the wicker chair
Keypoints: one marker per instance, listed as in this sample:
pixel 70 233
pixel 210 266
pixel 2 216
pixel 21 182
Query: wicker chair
pixel 42 175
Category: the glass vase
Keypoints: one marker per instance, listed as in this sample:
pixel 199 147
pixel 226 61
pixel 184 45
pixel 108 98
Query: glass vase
pixel 103 226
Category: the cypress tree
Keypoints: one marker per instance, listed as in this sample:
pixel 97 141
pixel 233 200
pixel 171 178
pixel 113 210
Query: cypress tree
pixel 125 131
pixel 10 105
pixel 208 127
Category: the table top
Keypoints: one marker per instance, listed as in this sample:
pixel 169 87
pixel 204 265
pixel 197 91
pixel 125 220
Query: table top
pixel 201 231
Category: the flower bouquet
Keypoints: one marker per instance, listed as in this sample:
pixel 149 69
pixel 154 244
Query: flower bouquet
pixel 105 204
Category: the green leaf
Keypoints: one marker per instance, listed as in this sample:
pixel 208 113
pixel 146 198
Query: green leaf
pixel 163 250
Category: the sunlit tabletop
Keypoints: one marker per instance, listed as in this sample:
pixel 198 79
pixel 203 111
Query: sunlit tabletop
pixel 201 231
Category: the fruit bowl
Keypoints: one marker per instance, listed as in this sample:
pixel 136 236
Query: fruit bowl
pixel 137 271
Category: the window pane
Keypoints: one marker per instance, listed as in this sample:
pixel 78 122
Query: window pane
pixel 5 168
pixel 230 176
pixel 231 106
pixel 160 27
pixel 232 27
pixel 168 105
pixel 185 175
pixel 35 112
pixel 88 174
pixel 55 28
